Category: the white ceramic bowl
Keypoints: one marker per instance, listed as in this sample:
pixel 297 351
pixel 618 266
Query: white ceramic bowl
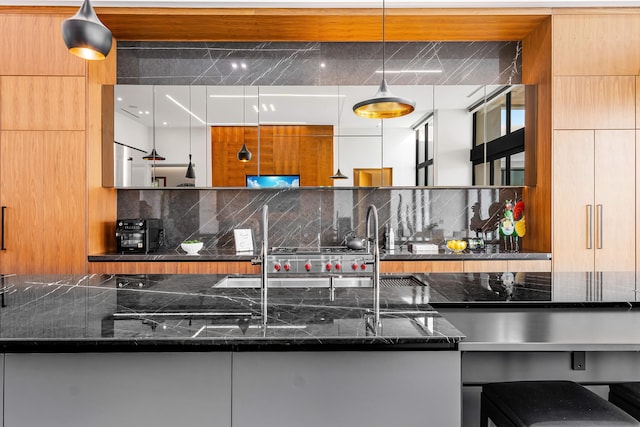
pixel 191 248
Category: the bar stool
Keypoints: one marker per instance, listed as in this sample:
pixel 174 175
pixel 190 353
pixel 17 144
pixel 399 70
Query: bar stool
pixel 548 403
pixel 627 397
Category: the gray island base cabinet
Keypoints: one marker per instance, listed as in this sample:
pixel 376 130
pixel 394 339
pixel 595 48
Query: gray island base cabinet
pixel 239 389
pixel 341 389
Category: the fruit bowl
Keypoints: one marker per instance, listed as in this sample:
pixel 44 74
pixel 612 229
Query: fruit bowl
pixel 457 246
pixel 191 247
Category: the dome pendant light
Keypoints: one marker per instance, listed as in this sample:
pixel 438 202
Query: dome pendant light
pixel 153 155
pixel 84 34
pixel 190 172
pixel 338 174
pixel 244 155
pixel 384 105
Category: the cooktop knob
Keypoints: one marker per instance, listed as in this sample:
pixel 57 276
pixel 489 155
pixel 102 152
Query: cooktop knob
pixel 363 266
pixel 307 266
pixel 277 266
pixel 354 266
pixel 338 266
pixel 328 266
pixel 287 266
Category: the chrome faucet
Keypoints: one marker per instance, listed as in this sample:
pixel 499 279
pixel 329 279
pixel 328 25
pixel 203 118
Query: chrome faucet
pixel 263 256
pixel 373 248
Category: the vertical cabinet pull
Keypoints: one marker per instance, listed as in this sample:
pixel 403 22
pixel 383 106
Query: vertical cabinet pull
pixel 589 226
pixel 599 222
pixel 4 208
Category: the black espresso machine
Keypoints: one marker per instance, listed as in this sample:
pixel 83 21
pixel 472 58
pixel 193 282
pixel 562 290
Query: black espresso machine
pixel 139 235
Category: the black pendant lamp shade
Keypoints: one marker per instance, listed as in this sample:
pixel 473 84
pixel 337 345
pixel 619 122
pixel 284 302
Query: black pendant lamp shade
pixel 384 105
pixel 244 155
pixel 338 175
pixel 85 35
pixel 190 172
pixel 153 155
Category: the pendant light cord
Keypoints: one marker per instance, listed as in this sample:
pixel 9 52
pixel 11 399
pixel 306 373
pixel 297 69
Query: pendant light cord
pixel 153 105
pixel 383 41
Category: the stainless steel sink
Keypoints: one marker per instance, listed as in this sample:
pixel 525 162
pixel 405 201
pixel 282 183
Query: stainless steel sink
pixel 294 282
pixel 316 282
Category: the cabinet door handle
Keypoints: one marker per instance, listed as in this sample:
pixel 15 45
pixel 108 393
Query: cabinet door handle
pixel 589 226
pixel 4 208
pixel 599 222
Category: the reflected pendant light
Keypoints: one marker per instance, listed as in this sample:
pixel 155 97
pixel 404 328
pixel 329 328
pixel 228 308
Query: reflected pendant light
pixel 244 155
pixel 153 155
pixel 84 34
pixel 338 174
pixel 384 105
pixel 190 172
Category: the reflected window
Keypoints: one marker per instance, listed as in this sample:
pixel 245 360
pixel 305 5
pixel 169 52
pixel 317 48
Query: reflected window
pixel 499 160
pixel 424 152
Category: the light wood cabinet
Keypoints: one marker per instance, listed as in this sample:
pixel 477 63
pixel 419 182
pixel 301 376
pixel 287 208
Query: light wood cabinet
pixel 594 102
pixel 594 200
pixel 42 103
pixel 42 194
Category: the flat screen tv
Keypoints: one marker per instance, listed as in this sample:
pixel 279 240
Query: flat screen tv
pixel 273 181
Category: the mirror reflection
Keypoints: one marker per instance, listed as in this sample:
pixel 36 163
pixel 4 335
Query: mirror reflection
pixel 303 135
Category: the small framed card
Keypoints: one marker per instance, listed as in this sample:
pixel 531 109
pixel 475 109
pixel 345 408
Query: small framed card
pixel 243 239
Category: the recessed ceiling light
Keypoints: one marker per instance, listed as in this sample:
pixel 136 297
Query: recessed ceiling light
pixel 146 112
pixel 164 123
pixel 244 66
pixel 272 107
pixel 119 98
pixel 256 109
pixel 322 65
pixel 234 65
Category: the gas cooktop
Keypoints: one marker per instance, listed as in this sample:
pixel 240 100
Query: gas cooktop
pixel 314 250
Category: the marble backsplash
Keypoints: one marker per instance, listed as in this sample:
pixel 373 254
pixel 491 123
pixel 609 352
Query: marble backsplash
pixel 318 63
pixel 317 216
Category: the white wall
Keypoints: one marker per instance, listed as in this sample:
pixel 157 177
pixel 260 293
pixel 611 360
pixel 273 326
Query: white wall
pixel 130 133
pixel 400 154
pixel 453 134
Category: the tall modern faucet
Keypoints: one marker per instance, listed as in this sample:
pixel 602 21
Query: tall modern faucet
pixel 263 256
pixel 374 248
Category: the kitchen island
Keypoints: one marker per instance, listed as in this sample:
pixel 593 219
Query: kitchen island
pixel 165 349
pixel 158 347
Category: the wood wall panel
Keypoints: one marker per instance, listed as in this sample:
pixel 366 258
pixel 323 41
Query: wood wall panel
pixel 42 103
pixel 596 44
pixel 638 102
pixel 486 266
pixel 63 242
pixel 530 266
pixel 594 102
pixel 32 45
pixel 282 150
pixel 173 267
pixel 325 24
pixel 101 201
pixel 536 70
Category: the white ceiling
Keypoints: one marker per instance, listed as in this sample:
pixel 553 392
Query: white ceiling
pixel 329 3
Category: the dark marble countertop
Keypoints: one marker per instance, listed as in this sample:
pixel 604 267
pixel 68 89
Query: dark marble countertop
pixel 494 311
pixel 190 313
pixel 399 254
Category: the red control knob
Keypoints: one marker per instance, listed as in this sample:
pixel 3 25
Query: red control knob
pixel 363 266
pixel 307 266
pixel 287 266
pixel 354 266
pixel 328 266
pixel 338 266
pixel 277 266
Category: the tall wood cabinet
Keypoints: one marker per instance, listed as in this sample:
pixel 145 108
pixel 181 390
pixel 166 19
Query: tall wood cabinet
pixel 594 200
pixel 43 179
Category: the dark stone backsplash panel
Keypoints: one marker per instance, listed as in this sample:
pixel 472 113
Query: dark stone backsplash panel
pixel 318 216
pixel 298 63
